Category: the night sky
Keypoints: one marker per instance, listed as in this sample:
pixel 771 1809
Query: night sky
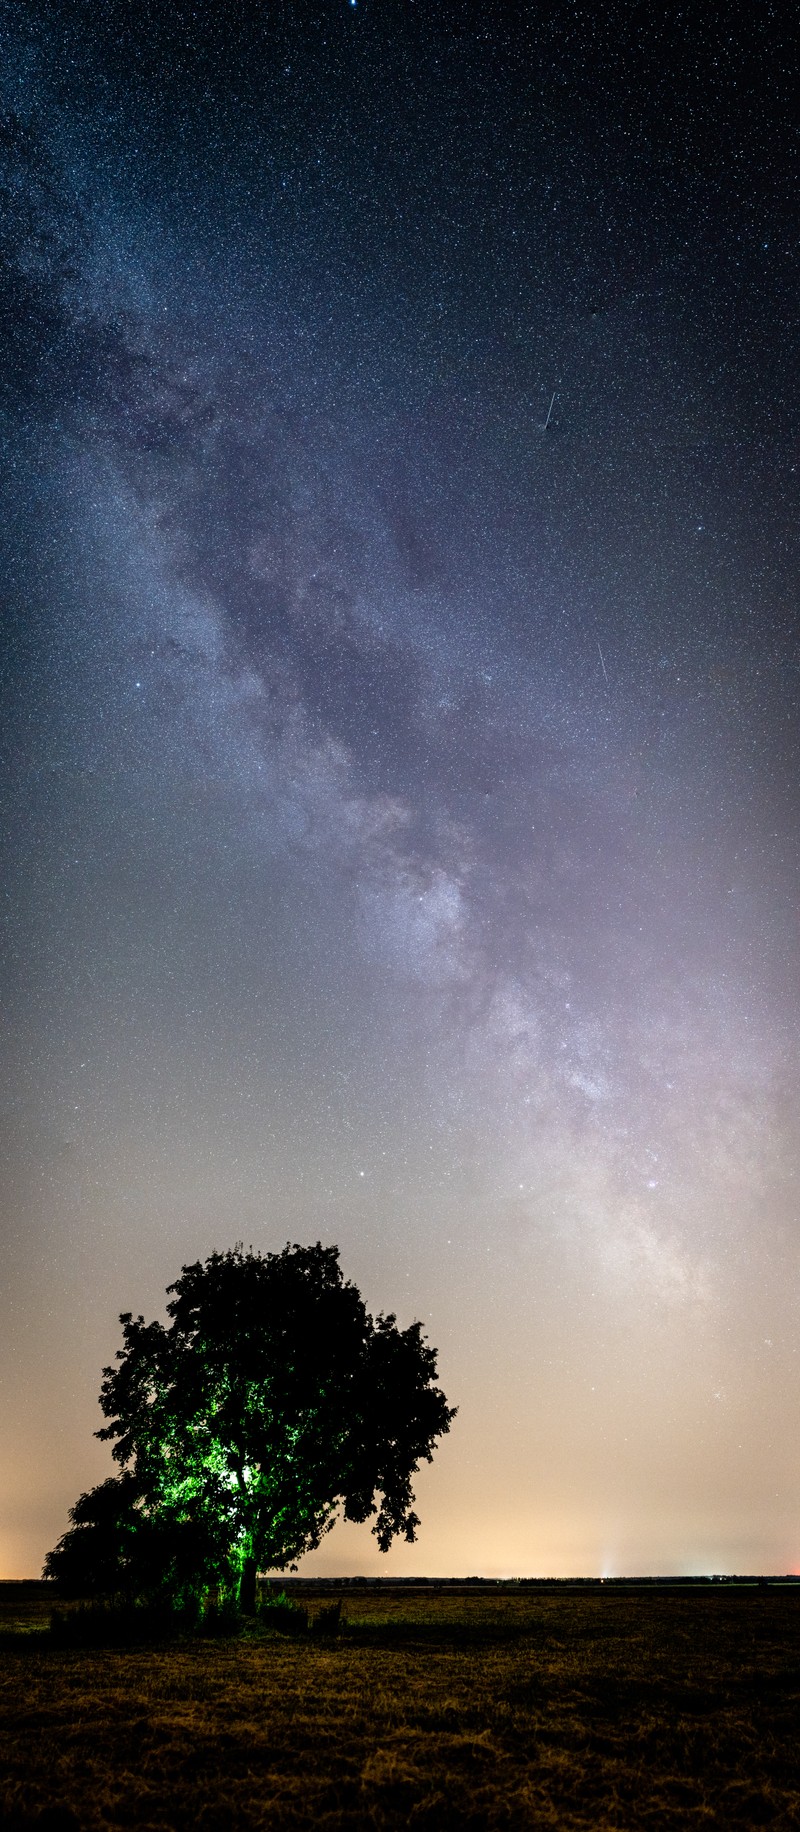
pixel 401 677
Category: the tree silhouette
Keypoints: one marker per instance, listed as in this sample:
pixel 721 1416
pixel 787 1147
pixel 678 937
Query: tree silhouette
pixel 118 1546
pixel 269 1402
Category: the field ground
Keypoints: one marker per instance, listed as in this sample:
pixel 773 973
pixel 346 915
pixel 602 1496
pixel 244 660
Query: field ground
pixel 431 1710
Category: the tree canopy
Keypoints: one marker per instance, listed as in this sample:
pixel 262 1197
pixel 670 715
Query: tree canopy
pixel 270 1401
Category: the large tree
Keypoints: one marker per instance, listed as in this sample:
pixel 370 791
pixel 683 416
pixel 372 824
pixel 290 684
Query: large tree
pixel 269 1402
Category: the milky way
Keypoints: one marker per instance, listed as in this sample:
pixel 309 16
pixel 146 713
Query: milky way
pixel 402 674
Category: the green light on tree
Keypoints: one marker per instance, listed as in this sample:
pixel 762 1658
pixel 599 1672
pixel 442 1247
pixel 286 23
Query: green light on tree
pixel 270 1403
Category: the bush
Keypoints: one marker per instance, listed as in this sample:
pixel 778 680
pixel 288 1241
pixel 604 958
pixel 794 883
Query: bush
pixel 328 1620
pixel 113 1624
pixel 283 1614
pixel 221 1617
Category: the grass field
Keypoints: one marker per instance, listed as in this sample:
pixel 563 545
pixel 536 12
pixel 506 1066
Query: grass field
pixel 555 1709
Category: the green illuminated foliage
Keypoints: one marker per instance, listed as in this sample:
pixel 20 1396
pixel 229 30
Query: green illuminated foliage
pixel 269 1403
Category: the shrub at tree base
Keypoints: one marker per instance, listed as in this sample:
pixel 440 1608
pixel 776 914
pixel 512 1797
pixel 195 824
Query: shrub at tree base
pixel 270 1402
pixel 328 1620
pixel 101 1624
pixel 283 1614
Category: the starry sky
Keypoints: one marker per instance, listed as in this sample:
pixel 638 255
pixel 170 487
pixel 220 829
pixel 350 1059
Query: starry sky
pixel 401 675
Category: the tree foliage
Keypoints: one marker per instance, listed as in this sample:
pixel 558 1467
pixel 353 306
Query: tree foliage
pixel 269 1403
pixel 119 1546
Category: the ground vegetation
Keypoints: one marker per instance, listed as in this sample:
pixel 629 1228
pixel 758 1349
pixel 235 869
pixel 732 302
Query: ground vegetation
pixel 518 1710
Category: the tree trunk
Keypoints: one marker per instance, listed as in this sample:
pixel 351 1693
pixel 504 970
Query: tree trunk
pixel 247 1587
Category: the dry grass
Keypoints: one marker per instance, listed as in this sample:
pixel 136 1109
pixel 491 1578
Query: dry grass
pixel 607 1709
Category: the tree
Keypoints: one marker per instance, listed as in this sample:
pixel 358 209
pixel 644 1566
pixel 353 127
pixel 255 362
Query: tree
pixel 96 1554
pixel 270 1401
pixel 117 1546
